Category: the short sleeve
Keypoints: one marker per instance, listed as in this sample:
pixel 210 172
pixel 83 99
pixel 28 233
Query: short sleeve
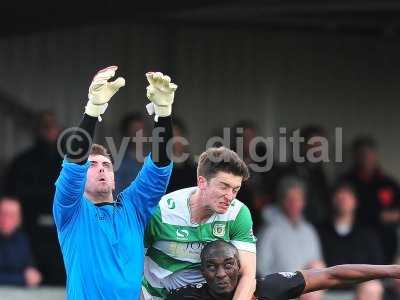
pixel 241 233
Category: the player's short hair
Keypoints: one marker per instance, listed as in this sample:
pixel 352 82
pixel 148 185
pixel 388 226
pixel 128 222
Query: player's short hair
pixel 97 149
pixel 214 160
pixel 218 244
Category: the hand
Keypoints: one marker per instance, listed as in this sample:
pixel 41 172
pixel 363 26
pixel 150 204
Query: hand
pixel 101 90
pixel 32 277
pixel 160 92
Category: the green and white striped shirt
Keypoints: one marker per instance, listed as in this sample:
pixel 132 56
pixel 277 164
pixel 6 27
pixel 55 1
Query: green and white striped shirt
pixel 174 243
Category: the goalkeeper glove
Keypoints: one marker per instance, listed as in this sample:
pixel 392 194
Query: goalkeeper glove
pixel 101 90
pixel 160 92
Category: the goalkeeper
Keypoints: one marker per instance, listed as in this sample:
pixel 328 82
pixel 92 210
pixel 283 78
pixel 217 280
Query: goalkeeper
pixel 100 236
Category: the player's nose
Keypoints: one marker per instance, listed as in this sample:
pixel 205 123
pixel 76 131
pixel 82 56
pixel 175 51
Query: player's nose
pixel 220 273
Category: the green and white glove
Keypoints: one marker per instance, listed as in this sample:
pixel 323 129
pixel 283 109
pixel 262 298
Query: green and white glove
pixel 101 90
pixel 160 92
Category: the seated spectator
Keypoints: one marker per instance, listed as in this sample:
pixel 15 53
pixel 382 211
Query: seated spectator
pixel 344 241
pixel 31 177
pixel 16 263
pixel 220 266
pixel 312 172
pixel 289 240
pixel 378 194
pixel 184 172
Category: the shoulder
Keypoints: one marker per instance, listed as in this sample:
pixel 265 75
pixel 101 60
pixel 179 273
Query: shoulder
pixel 173 207
pixel 236 210
pixel 385 178
pixel 309 230
pixel 283 285
pixel 179 194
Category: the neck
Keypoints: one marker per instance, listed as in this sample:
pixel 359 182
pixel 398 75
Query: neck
pixel 367 171
pixel 199 212
pixel 294 220
pixel 99 197
pixel 346 219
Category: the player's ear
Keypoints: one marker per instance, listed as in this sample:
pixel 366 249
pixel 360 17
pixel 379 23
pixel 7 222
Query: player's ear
pixel 201 182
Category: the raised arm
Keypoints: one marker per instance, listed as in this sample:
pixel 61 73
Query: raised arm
pixel 151 183
pixel 71 181
pixel 319 279
pixel 289 285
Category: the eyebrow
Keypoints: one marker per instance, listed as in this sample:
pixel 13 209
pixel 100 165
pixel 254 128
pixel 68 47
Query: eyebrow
pixel 102 162
pixel 227 184
pixel 212 260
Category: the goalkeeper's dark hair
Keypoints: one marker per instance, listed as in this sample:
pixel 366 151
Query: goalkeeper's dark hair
pixel 97 149
pixel 221 159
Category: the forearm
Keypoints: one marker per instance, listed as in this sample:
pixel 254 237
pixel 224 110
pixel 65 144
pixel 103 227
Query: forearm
pixel 246 288
pixel 162 134
pixel 340 275
pixel 81 140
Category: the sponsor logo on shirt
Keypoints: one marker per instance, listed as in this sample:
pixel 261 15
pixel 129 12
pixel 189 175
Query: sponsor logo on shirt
pixel 182 234
pixel 171 203
pixel 219 230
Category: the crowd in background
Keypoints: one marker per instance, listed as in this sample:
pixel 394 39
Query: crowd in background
pixel 301 219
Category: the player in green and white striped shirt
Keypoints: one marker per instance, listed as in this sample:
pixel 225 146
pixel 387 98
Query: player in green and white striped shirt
pixel 187 219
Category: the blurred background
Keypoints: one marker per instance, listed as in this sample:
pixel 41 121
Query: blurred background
pixel 256 65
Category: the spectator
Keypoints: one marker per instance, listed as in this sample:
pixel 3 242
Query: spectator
pixel 16 263
pixel 255 192
pixel 290 242
pixel 184 172
pixel 344 241
pixel 312 173
pixel 31 177
pixel 379 195
pixel 132 125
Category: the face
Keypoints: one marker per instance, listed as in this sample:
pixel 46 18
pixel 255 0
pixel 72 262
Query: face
pixel 344 201
pixel 100 176
pixel 367 158
pixel 293 203
pixel 49 129
pixel 219 191
pixel 136 128
pixel 10 216
pixel 221 270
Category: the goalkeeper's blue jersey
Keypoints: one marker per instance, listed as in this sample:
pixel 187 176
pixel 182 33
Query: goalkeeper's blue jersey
pixel 102 245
